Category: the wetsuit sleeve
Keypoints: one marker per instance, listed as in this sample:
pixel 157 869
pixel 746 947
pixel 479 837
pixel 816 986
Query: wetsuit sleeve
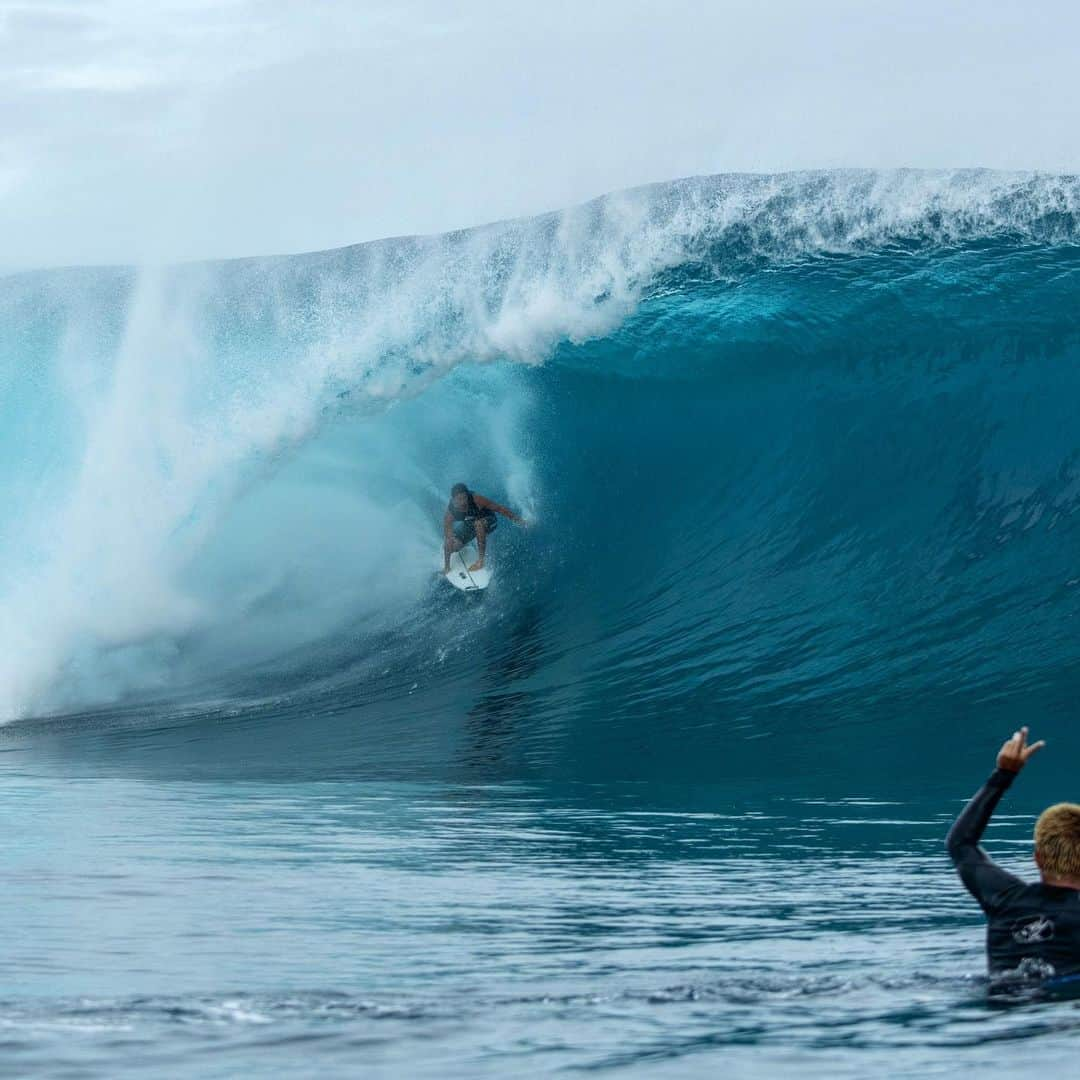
pixel 982 877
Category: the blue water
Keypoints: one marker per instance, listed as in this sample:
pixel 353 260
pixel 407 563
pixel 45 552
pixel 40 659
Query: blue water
pixel 802 458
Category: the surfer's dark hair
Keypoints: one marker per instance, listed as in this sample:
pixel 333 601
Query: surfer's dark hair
pixel 459 489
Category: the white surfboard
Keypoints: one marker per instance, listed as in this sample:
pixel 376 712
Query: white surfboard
pixel 461 577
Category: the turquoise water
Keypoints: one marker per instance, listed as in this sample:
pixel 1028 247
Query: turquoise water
pixel 202 929
pixel 802 457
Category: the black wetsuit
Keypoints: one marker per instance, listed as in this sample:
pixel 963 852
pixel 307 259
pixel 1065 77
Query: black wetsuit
pixel 1032 927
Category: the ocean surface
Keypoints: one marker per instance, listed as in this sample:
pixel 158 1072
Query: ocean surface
pixel 802 461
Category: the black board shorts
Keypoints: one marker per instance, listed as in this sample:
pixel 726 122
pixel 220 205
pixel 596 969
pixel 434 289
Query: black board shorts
pixel 465 531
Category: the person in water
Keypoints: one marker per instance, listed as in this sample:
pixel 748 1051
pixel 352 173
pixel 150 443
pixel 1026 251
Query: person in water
pixel 1033 929
pixel 470 517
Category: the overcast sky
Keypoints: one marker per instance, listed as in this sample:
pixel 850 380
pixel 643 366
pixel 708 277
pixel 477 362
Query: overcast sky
pixel 151 129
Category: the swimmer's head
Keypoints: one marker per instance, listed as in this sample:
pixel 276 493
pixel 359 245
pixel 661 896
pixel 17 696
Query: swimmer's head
pixel 1057 841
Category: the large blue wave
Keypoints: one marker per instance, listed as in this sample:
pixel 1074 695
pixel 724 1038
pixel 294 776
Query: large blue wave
pixel 801 449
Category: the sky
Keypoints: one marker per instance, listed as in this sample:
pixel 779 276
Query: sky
pixel 151 130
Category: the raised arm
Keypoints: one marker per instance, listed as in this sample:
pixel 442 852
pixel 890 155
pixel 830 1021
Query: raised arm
pixel 982 877
pixel 488 504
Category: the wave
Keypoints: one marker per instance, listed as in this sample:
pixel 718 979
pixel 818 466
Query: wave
pixel 799 446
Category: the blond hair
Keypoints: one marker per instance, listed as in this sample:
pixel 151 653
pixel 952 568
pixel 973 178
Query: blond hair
pixel 1057 840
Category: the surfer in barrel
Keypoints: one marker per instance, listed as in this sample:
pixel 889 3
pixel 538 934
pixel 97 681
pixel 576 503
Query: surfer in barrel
pixel 469 517
pixel 1034 929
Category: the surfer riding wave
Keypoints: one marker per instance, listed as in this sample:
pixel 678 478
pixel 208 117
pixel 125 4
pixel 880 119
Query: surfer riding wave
pixel 469 517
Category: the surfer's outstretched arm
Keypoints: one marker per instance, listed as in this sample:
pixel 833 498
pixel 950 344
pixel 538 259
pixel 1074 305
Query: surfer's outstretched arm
pixel 487 504
pixel 982 877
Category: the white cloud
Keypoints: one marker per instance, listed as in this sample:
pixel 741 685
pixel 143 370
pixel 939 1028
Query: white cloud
pixel 207 127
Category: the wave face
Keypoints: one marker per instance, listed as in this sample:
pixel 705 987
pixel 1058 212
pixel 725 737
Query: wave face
pixel 801 450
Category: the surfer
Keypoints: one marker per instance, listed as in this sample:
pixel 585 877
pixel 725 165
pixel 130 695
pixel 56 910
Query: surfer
pixel 470 517
pixel 1032 927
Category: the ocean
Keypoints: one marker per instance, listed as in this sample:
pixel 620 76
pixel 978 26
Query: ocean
pixel 802 466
